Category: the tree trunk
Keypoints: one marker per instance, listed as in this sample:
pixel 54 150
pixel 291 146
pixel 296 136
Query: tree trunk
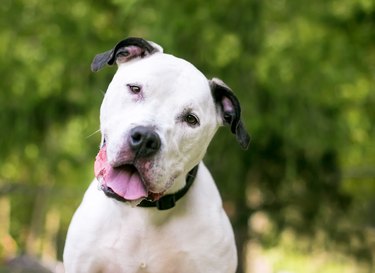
pixel 33 240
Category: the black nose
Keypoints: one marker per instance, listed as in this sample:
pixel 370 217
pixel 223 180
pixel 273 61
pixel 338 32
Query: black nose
pixel 144 141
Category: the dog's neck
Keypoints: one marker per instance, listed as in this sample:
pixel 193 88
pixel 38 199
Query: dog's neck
pixel 168 201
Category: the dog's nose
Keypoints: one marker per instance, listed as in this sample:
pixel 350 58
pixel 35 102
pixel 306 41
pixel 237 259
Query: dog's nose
pixel 144 141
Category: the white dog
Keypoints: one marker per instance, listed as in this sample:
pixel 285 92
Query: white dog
pixel 154 206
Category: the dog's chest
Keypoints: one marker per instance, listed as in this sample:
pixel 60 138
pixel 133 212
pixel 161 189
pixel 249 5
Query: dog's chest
pixel 136 246
pixel 107 236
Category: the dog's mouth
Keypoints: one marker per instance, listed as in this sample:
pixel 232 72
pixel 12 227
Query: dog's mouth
pixel 123 182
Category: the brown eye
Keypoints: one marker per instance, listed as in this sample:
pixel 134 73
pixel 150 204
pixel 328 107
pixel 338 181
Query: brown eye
pixel 135 89
pixel 192 120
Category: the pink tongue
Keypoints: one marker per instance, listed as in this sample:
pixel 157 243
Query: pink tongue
pixel 124 181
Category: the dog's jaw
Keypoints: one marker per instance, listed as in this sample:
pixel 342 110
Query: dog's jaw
pixel 124 181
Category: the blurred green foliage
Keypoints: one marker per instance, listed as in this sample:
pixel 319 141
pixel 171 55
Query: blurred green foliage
pixel 303 71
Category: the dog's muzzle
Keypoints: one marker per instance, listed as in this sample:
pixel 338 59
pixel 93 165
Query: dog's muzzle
pixel 124 179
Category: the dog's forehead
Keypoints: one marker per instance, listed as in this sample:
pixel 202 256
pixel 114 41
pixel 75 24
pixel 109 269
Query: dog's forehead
pixel 164 70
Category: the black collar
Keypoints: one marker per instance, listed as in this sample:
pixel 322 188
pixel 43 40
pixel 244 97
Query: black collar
pixel 168 201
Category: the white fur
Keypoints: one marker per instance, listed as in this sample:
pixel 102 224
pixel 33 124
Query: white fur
pixel 195 236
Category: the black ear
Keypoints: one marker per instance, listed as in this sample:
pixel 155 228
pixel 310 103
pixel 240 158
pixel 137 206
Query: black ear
pixel 230 110
pixel 124 51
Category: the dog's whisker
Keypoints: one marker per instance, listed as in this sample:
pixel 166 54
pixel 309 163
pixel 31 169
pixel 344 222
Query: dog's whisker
pixel 90 135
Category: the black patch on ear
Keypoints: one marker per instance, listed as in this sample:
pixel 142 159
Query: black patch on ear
pixel 230 110
pixel 109 57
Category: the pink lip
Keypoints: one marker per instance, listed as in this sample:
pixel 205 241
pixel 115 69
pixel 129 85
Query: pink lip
pixel 124 181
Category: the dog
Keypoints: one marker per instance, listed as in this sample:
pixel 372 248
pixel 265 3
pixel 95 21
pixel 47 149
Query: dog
pixel 153 206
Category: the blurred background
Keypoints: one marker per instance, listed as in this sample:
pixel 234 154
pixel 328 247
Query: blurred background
pixel 301 199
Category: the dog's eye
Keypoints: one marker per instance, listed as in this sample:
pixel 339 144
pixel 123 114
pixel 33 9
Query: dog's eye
pixel 135 89
pixel 192 120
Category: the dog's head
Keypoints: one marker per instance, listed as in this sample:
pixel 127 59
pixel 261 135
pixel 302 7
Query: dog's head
pixel 158 117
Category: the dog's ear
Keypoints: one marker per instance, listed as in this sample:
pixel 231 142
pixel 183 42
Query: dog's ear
pixel 230 110
pixel 124 51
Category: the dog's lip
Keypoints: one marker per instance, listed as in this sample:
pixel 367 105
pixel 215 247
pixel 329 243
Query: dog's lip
pixel 122 164
pixel 151 195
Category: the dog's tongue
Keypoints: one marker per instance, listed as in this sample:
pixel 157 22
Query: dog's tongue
pixel 125 181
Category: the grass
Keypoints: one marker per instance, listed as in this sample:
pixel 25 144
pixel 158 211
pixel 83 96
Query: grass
pixel 292 255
